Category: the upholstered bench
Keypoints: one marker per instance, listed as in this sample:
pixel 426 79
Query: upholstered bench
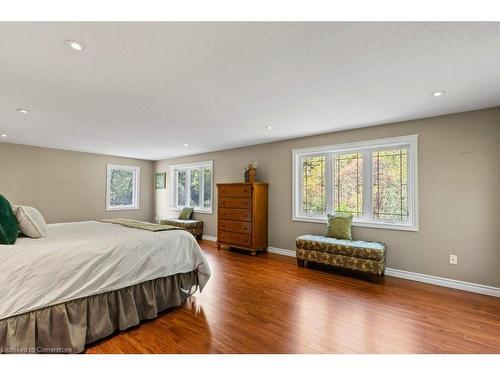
pixel 195 227
pixel 368 257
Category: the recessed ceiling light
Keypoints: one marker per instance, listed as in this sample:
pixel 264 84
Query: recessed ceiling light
pixel 269 127
pixel 22 110
pixel 186 144
pixel 74 44
pixel 3 135
pixel 438 93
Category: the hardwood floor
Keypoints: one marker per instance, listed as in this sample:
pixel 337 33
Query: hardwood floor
pixel 266 304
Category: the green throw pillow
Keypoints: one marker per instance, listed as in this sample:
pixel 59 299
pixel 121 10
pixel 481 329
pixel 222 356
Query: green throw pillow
pixel 9 229
pixel 339 226
pixel 186 213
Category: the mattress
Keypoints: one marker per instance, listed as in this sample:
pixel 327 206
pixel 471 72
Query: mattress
pixel 81 259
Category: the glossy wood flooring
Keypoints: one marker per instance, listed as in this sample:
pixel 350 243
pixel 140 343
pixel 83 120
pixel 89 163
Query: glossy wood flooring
pixel 266 304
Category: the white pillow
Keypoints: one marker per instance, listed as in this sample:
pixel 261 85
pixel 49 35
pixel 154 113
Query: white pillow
pixel 31 222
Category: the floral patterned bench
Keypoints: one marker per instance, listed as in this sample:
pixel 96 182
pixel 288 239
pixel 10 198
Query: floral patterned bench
pixel 195 227
pixel 367 257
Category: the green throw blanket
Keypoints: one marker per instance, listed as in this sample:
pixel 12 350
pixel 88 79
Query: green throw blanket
pixel 144 225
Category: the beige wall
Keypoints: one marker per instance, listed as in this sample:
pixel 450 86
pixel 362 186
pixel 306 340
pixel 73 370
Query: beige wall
pixel 65 185
pixel 459 193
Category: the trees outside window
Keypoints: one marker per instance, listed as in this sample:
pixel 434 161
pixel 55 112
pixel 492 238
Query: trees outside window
pixel 122 188
pixel 192 186
pixel 374 181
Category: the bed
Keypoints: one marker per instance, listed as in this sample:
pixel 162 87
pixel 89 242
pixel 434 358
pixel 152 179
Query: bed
pixel 88 279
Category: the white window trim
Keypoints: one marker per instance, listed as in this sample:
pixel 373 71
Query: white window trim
pixel 409 141
pixel 137 183
pixel 173 185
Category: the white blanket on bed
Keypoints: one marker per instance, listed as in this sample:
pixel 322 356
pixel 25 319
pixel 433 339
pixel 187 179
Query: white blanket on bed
pixel 81 259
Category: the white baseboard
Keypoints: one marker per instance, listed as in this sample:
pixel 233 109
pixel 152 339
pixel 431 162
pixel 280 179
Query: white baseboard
pixel 277 250
pixel 420 277
pixel 441 281
pixel 209 238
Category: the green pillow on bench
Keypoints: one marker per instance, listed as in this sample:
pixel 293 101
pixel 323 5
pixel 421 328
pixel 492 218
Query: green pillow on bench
pixel 339 226
pixel 9 229
pixel 186 213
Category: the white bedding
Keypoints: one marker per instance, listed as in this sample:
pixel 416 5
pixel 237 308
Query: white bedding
pixel 81 259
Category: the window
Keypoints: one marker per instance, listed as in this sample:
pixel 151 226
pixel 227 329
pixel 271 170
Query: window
pixel 348 184
pixel 314 184
pixel 191 185
pixel 122 192
pixel 390 184
pixel 374 181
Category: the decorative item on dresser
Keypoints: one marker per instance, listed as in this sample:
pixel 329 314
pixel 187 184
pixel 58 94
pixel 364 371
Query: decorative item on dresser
pixel 242 216
pixel 251 171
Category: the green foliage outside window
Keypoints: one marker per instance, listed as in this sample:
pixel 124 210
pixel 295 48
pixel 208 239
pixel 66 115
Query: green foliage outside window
pixel 207 188
pixel 194 187
pixel 348 186
pixel 122 187
pixel 389 184
pixel 314 182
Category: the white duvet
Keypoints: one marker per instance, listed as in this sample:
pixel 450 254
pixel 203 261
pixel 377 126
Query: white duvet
pixel 81 259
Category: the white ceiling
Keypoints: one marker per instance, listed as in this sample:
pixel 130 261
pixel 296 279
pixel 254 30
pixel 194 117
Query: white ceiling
pixel 144 89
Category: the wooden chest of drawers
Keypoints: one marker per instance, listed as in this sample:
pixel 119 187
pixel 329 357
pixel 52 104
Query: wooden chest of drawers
pixel 242 216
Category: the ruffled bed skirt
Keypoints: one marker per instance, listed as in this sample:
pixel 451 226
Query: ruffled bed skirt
pixel 69 326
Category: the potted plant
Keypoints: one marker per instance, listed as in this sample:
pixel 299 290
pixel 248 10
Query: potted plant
pixel 251 171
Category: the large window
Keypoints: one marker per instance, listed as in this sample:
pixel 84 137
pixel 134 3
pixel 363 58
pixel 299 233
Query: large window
pixel 374 181
pixel 191 186
pixel 122 192
pixel 314 185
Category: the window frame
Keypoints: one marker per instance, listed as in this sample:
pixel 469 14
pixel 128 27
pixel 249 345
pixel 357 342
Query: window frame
pixel 173 170
pixel 137 183
pixel 366 148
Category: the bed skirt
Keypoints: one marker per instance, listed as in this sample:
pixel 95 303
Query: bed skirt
pixel 69 326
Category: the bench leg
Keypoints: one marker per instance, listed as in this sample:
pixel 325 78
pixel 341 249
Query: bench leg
pixel 301 262
pixel 377 278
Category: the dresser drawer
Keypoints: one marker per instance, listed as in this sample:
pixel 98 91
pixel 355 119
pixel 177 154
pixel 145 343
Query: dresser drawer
pixel 235 202
pixel 235 226
pixel 234 238
pixel 235 191
pixel 235 214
